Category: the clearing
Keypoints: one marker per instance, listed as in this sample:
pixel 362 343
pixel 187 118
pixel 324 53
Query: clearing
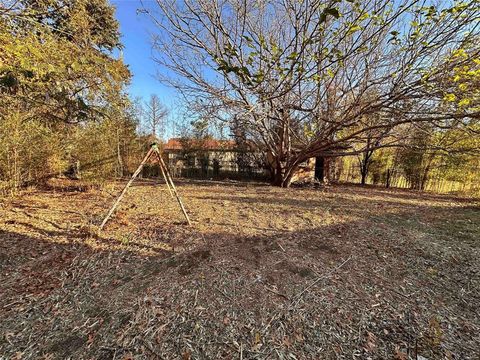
pixel 264 272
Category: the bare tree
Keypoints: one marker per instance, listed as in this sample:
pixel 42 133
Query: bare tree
pixel 155 116
pixel 304 75
pixel 373 140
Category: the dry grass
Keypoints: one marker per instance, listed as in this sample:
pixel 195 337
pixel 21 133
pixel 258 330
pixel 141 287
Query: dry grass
pixel 342 272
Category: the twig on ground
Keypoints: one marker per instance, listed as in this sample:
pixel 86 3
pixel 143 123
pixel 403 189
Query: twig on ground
pixel 297 297
pixel 277 293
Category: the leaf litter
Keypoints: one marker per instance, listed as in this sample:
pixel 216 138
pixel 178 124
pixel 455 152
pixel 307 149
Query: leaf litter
pixel 334 272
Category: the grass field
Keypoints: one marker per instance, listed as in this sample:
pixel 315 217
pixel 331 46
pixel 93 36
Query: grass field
pixel 263 272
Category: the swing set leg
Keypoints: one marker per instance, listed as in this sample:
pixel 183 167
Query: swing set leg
pixel 172 185
pixel 124 191
pixel 163 171
pixel 166 176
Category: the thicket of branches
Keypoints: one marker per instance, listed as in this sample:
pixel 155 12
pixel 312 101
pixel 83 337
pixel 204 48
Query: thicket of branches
pixel 325 78
pixel 427 158
pixel 61 92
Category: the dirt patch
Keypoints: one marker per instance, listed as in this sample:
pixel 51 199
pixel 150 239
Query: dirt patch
pixel 67 345
pixel 189 262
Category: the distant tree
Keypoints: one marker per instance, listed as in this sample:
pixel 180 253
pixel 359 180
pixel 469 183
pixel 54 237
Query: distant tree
pixel 365 159
pixel 302 73
pixel 369 142
pixel 426 149
pixel 240 137
pixel 155 116
pixel 194 143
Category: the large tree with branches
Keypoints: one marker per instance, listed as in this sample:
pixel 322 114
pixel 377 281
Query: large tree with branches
pixel 319 78
pixel 62 84
pixel 57 59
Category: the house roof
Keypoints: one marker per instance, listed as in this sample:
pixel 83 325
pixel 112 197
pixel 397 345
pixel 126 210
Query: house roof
pixel 207 144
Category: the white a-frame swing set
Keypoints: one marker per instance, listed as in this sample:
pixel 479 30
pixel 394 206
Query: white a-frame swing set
pixel 166 176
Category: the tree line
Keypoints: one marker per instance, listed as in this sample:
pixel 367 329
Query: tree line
pixel 63 104
pixel 62 97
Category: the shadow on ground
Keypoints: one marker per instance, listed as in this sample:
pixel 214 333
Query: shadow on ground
pixel 393 281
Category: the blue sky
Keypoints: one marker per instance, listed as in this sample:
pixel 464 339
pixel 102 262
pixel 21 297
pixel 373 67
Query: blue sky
pixel 136 29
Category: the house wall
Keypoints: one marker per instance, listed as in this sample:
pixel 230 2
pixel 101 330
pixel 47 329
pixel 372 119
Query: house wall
pixel 227 161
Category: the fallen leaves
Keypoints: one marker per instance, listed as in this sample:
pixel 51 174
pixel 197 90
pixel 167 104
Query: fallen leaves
pixel 226 290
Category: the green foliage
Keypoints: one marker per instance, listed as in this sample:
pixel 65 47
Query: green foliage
pixel 30 152
pixel 89 23
pixel 58 78
pixel 96 147
pixel 412 159
pixel 60 86
pixel 461 84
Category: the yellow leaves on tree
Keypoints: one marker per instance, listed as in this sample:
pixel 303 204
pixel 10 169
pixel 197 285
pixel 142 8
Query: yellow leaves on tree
pixel 464 80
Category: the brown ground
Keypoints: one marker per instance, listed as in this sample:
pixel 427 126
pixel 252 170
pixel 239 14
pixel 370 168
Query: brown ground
pixel 342 272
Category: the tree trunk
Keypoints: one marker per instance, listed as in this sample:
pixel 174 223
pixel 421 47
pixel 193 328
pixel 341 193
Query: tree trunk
pixel 364 164
pixel 364 171
pixel 277 179
pixel 364 177
pixel 426 172
pixel 282 176
pixel 119 155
